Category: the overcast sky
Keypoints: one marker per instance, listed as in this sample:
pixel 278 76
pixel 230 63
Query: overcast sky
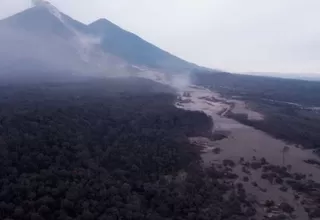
pixel 234 35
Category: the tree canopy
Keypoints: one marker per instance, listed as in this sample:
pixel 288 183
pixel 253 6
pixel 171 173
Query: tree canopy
pixel 79 151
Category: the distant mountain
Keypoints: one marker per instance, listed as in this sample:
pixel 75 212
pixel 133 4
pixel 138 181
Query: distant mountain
pixel 42 39
pixel 300 76
pixel 134 49
pixel 38 21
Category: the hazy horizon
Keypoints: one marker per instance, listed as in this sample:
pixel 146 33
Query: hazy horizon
pixel 246 37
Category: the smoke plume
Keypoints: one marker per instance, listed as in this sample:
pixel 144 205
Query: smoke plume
pixel 181 81
pixel 38 2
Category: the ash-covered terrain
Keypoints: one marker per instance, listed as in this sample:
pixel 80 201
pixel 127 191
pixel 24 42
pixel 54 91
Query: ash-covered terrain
pixel 97 123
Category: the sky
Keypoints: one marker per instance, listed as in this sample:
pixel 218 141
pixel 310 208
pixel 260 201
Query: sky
pixel 278 36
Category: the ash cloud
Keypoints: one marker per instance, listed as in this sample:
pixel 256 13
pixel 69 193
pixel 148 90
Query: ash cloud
pixel 38 2
pixel 181 81
pixel 24 54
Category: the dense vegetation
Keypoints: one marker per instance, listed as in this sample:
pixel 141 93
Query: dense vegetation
pixel 285 103
pixel 301 92
pixel 106 150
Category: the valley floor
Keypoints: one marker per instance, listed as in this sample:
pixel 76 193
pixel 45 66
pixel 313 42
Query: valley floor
pixel 248 143
pixel 245 146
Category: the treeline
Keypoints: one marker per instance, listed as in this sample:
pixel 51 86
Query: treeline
pixel 77 151
pixel 260 87
pixel 272 97
pixel 287 123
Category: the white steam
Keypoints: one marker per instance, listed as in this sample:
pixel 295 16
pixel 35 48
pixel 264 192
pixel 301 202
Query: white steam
pixel 181 81
pixel 83 43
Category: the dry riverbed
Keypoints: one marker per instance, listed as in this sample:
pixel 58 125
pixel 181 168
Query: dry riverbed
pixel 282 185
pixel 245 145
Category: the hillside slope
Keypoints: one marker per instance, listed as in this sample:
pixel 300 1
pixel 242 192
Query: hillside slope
pixel 134 49
pixel 41 39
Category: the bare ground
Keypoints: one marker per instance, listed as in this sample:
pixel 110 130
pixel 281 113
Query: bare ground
pixel 248 144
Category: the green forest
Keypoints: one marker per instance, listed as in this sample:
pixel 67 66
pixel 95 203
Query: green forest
pixel 107 150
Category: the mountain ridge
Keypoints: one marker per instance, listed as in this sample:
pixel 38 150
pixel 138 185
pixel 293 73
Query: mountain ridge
pixel 104 27
pixel 99 47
